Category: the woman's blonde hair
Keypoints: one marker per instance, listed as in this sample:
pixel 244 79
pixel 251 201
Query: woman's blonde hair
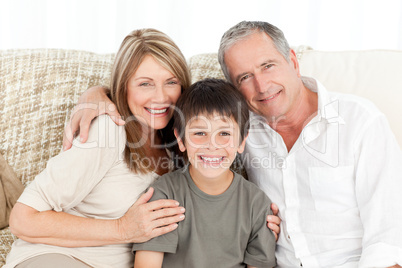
pixel 132 51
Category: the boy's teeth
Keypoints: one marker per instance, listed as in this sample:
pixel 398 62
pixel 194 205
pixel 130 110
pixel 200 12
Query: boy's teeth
pixel 211 159
pixel 160 111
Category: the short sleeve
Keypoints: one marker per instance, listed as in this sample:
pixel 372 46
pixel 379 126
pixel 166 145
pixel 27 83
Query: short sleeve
pixel 71 175
pixel 260 250
pixel 168 242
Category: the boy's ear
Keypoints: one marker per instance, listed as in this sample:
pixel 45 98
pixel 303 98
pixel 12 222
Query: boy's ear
pixel 182 148
pixel 242 145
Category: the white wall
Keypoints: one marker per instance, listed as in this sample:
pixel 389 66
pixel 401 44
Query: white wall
pixel 196 26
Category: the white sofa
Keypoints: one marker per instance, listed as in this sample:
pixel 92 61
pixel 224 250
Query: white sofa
pixel 38 89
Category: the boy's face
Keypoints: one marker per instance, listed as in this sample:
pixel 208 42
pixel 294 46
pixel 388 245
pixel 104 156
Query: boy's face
pixel 212 142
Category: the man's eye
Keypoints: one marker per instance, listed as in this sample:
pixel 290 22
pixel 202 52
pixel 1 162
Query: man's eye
pixel 268 66
pixel 244 78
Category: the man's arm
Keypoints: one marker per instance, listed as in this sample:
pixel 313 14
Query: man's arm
pixel 148 259
pixel 378 182
pixel 92 103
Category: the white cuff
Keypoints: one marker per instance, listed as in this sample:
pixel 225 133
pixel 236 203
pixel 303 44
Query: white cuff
pixel 380 255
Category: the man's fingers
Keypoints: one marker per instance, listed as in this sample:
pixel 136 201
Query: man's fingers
pixel 68 136
pixel 273 219
pixel 114 114
pixel 275 209
pixel 275 228
pixel 85 123
pixel 118 120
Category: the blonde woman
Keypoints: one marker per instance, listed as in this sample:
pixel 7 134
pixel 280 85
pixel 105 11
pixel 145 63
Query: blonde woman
pixel 79 211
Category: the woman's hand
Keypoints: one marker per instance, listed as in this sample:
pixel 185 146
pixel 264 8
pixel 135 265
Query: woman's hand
pixel 92 103
pixel 144 221
pixel 273 221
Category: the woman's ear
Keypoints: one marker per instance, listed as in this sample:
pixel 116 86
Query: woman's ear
pixel 242 145
pixel 182 148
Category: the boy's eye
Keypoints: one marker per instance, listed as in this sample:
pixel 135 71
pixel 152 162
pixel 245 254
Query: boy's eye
pixel 225 134
pixel 199 133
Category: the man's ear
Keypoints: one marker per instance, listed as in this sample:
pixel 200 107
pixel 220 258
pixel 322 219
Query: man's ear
pixel 182 148
pixel 242 145
pixel 294 62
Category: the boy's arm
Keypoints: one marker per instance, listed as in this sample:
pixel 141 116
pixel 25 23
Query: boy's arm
pixel 148 259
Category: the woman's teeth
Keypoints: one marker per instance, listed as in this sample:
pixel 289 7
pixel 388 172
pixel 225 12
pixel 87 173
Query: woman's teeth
pixel 159 111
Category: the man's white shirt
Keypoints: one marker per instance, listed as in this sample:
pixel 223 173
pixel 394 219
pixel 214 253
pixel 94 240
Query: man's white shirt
pixel 338 189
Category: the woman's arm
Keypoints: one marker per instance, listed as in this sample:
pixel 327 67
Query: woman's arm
pixel 92 103
pixel 142 222
pixel 148 259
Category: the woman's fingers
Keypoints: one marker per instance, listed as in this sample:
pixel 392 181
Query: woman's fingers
pixel 144 198
pixel 167 216
pixel 162 203
pixel 163 230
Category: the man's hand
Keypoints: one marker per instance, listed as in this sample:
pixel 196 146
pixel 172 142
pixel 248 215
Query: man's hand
pixel 144 221
pixel 91 104
pixel 273 221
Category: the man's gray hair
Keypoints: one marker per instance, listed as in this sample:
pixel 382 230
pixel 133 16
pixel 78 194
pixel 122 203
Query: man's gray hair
pixel 245 28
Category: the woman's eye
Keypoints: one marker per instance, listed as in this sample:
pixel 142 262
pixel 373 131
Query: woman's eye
pixel 145 84
pixel 172 83
pixel 199 133
pixel 225 134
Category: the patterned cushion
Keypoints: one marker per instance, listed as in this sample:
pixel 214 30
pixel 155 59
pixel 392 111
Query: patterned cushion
pixel 38 89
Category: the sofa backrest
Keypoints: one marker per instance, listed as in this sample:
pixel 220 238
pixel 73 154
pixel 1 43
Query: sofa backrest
pixel 38 89
pixel 372 74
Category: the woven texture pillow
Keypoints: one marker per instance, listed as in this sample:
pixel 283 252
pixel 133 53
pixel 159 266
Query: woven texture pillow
pixel 38 89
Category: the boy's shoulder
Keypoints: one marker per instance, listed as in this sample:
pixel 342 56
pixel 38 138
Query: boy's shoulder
pixel 254 193
pixel 171 180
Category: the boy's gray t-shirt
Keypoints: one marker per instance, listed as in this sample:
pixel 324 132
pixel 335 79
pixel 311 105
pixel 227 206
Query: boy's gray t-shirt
pixel 226 230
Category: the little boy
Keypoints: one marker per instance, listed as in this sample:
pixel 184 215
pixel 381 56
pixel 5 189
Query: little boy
pixel 225 214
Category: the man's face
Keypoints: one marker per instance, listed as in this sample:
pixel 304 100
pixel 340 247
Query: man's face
pixel 270 84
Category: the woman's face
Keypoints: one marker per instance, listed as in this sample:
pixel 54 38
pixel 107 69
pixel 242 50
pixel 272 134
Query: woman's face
pixel 152 92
